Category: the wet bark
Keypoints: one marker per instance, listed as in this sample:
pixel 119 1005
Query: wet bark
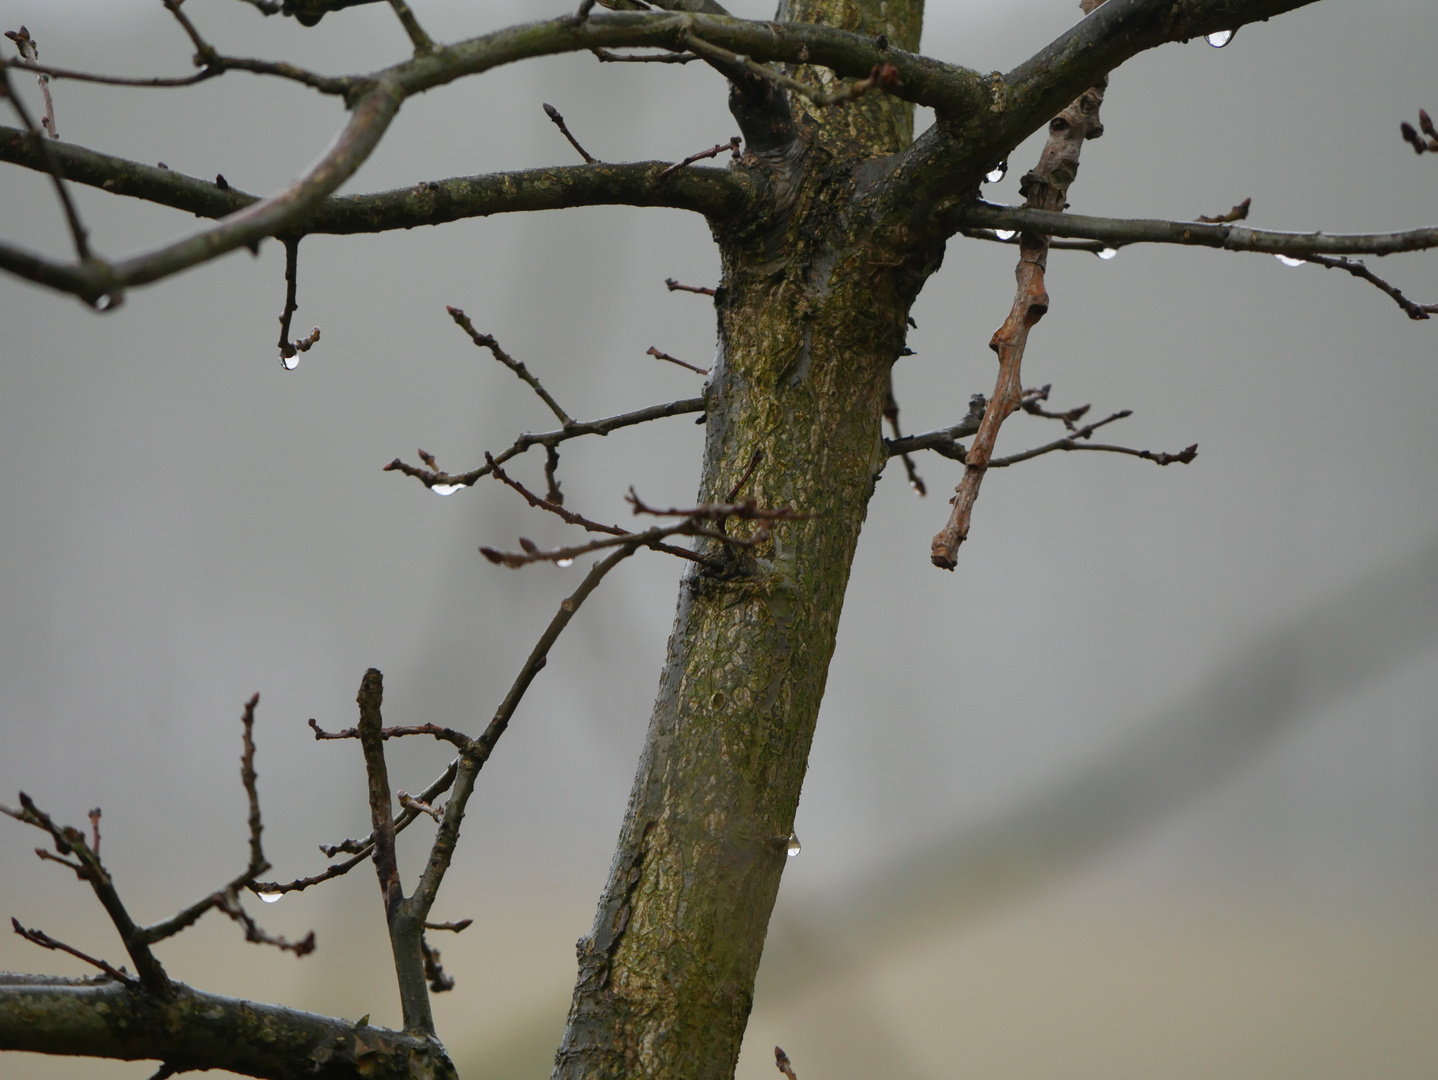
pixel 812 314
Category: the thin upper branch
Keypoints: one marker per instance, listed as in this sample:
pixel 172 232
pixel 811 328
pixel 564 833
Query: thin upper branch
pixel 1230 237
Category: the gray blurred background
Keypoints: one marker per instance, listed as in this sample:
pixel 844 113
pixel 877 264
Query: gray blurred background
pixel 1146 788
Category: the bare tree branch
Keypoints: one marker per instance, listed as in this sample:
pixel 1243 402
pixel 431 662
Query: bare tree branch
pixel 104 1018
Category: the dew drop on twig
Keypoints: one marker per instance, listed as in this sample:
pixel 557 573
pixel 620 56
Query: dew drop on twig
pixel 1005 234
pixel 562 563
pixel 1286 261
pixel 994 175
pixel 445 489
pixel 270 897
pixel 289 363
pixel 1107 253
pixel 793 847
pixel 1219 38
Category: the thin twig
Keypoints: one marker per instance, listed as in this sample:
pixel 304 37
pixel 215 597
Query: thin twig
pixel 421 41
pixel 781 1062
pixel 714 151
pixel 675 286
pixel 675 360
pixel 30 53
pixel 486 341
pixel 1358 270
pixel 52 164
pixel 547 439
pixel 229 903
pixel 883 76
pixel 69 841
pixel 288 348
pixel 45 941
pixel 568 516
pixel 444 734
pixel 891 414
pixel 554 115
pixel 754 461
pixel 456 927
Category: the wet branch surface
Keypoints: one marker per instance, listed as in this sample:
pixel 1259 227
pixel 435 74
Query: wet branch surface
pixel 1044 188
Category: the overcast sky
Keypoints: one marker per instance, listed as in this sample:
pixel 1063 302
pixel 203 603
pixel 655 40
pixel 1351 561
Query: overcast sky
pixel 184 523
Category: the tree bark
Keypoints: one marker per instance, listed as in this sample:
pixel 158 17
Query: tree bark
pixel 812 313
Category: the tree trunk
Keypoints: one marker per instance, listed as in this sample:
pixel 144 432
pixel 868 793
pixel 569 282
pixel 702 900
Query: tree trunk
pixel 812 314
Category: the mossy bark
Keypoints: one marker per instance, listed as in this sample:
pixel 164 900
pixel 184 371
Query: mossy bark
pixel 812 314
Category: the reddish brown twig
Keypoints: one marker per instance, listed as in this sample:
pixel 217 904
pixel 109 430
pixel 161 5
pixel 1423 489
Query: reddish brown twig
pixel 30 53
pixel 95 831
pixel 675 286
pixel 675 360
pixel 1046 188
pixel 781 1062
pixel 1238 213
pixel 554 115
pixel 714 151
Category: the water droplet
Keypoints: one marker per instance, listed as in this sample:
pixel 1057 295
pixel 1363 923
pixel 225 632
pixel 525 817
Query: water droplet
pixel 994 175
pixel 1107 253
pixel 1286 261
pixel 1005 234
pixel 108 302
pixel 793 847
pixel 1219 38
pixel 562 563
pixel 270 897
pixel 917 487
pixel 445 489
pixel 289 363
